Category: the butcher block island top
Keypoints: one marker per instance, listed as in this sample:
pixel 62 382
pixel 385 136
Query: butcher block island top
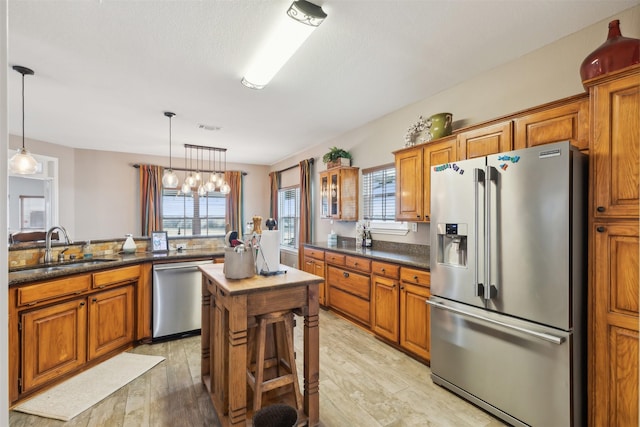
pixel 228 305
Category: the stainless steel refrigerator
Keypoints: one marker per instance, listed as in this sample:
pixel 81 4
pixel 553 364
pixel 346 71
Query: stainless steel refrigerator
pixel 508 283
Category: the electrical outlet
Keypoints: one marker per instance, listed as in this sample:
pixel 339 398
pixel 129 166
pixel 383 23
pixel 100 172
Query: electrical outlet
pixel 181 246
pixel 414 227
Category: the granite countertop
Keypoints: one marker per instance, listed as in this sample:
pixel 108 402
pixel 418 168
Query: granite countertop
pixel 34 273
pixel 398 256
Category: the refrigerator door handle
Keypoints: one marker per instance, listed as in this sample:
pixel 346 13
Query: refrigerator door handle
pixel 541 335
pixel 490 291
pixel 478 177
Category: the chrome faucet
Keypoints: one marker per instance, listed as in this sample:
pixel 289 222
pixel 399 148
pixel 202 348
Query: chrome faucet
pixel 48 258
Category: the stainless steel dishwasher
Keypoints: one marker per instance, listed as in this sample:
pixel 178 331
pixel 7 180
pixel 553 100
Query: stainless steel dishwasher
pixel 177 299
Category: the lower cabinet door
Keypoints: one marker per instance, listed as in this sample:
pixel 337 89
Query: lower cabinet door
pixel 53 342
pixel 111 320
pixel 385 307
pixel 414 320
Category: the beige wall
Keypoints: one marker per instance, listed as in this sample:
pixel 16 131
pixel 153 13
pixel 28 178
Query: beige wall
pixel 98 190
pixel 542 76
pixel 4 133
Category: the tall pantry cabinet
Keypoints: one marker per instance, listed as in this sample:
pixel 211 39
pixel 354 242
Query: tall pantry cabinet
pixel 614 248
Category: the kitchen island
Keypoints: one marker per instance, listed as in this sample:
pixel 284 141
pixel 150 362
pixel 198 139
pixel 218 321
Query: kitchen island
pixel 227 304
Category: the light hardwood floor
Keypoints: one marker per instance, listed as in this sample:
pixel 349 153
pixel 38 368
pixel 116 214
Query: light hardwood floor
pixel 363 382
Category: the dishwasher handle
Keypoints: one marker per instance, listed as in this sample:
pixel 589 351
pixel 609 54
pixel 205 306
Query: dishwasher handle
pixel 179 266
pixel 541 335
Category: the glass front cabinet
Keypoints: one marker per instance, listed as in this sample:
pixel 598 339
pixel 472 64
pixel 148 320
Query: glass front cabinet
pixel 339 193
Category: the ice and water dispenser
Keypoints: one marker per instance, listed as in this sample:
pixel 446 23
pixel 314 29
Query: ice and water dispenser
pixel 452 244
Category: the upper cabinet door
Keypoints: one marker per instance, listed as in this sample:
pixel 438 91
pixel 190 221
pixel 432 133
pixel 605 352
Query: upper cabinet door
pixel 486 140
pixel 569 122
pixel 409 185
pixel 615 121
pixel 435 153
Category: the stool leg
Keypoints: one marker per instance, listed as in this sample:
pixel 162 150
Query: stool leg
pixel 288 322
pixel 259 375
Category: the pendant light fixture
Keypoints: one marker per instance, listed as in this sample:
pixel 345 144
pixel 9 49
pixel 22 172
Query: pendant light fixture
pixel 169 179
pixel 22 162
pixel 224 188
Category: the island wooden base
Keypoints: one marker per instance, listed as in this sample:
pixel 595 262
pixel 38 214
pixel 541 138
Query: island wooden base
pixel 226 307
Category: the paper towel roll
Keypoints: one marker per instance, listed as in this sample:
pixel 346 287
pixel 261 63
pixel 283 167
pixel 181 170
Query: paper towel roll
pixel 270 247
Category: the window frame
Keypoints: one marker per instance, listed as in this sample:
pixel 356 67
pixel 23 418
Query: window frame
pixel 205 230
pixel 377 225
pixel 296 217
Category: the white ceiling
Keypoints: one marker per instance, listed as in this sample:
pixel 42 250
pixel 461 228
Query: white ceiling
pixel 106 70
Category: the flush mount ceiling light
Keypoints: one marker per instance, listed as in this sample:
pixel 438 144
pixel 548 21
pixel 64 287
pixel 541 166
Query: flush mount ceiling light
pixel 301 19
pixel 22 162
pixel 169 179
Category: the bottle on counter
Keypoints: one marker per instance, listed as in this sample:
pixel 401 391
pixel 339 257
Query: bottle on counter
pixel 367 239
pixel 129 246
pixel 86 250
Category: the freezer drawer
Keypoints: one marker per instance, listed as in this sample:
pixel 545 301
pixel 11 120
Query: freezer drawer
pixel 522 372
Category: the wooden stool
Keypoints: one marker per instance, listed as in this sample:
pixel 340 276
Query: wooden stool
pixel 284 360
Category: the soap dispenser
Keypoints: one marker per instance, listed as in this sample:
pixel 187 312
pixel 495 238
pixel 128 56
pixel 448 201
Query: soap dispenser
pixel 129 246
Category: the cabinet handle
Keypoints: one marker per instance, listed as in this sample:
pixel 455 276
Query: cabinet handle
pixel 600 209
pixel 355 263
pixel 345 274
pixel 401 288
pixel 601 229
pixel 415 278
pixel 383 271
pixel 82 304
pixel 94 300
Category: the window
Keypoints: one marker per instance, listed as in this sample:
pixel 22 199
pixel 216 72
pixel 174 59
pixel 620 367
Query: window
pixel 379 199
pixel 289 216
pixel 193 215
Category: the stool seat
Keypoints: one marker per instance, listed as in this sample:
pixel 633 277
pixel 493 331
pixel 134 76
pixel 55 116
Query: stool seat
pixel 284 360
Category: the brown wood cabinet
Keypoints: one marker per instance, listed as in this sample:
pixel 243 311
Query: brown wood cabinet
pixel 614 249
pixel 385 300
pixel 409 185
pixel 54 342
pixel 59 327
pixel 567 121
pixel 485 140
pixel 413 177
pixel 339 193
pixel 111 320
pixel 414 312
pixel 348 286
pixel 314 264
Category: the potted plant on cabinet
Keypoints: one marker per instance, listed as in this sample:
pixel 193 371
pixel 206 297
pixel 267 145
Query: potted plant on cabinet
pixel 337 157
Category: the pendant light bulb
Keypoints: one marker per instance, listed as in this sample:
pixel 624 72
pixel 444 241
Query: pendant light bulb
pixel 202 191
pixel 225 189
pixel 169 179
pixel 23 163
pixel 186 188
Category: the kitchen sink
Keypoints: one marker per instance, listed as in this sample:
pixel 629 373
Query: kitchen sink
pixel 60 267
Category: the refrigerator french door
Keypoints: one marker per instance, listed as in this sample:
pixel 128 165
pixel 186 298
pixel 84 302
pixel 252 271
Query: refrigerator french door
pixel 508 283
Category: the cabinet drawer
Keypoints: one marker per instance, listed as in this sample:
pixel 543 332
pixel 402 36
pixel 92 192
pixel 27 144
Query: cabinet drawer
pixel 314 253
pixel 116 276
pixel 357 263
pixel 334 258
pixel 354 283
pixel 33 294
pixel 350 304
pixel 418 277
pixel 391 271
